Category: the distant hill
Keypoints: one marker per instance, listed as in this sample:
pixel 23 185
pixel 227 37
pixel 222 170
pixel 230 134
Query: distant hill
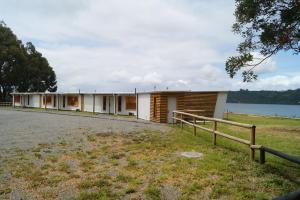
pixel 291 97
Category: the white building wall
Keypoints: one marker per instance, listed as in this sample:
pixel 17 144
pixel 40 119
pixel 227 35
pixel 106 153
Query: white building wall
pixel 98 103
pixel 220 105
pixel 144 106
pixel 34 101
pixel 88 102
pixel 111 104
pixel 31 101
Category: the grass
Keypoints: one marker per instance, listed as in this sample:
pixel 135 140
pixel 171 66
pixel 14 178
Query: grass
pixel 145 164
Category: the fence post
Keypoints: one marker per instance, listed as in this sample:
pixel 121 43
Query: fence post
pixel 194 126
pixel 252 142
pixel 214 133
pixel 173 118
pixel 262 156
pixel 181 123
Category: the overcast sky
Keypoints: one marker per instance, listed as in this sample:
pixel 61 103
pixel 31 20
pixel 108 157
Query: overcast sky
pixel 119 45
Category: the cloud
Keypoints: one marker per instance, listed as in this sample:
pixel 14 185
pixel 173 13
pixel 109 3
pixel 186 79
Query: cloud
pixel 121 45
pixel 276 82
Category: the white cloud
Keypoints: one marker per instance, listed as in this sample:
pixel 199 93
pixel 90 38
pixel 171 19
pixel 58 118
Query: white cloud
pixel 276 82
pixel 119 45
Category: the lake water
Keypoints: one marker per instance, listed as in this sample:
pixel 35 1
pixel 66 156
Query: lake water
pixel 264 109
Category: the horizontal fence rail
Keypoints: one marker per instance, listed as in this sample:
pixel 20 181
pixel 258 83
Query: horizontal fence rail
pixel 184 117
pixel 4 104
pixel 263 150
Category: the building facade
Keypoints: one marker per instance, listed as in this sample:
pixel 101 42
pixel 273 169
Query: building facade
pixel 156 106
pixel 108 103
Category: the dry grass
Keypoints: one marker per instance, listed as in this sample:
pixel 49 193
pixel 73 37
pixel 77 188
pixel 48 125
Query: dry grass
pixel 148 166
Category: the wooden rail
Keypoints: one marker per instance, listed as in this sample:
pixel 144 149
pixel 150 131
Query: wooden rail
pixel 263 150
pixel 182 119
pixel 5 104
pixel 251 142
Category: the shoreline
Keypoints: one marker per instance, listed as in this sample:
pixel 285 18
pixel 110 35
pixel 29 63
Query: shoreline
pixel 267 116
pixel 265 104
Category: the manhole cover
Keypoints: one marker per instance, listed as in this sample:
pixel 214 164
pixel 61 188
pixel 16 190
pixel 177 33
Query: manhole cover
pixel 192 154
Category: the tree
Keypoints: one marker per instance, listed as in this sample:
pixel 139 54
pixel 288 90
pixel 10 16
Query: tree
pixel 22 68
pixel 267 27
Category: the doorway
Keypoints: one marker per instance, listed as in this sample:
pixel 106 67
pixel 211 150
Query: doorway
pixel 171 108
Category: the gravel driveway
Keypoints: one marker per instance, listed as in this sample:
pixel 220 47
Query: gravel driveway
pixel 25 130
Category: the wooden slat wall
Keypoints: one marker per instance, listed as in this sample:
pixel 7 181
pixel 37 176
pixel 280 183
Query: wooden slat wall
pixel 185 101
pixel 201 101
pixel 158 113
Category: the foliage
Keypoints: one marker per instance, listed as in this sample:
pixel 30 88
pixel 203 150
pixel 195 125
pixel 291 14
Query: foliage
pixel 267 27
pixel 291 97
pixel 22 67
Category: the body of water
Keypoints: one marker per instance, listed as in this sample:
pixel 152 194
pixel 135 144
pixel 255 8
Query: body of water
pixel 264 109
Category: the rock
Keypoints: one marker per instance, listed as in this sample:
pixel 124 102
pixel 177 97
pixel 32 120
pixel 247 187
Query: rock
pixel 191 154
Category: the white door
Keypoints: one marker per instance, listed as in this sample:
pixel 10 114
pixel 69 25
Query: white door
pixel 171 108
pixel 111 104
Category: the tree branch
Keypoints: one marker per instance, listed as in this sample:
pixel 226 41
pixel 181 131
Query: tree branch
pixel 265 58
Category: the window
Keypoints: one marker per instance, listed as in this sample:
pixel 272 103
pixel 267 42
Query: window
pixel 54 101
pixel 48 100
pixel 73 101
pixel 130 102
pixel 64 101
pixel 154 106
pixel 28 100
pixel 119 103
pixel 17 99
pixel 104 103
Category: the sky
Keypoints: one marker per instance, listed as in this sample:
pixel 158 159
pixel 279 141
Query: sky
pixel 119 45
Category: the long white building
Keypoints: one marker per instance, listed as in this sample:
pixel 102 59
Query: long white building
pixel 156 106
pixel 110 103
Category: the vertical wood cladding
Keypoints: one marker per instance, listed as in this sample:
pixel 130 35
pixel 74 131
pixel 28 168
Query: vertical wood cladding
pixel 184 101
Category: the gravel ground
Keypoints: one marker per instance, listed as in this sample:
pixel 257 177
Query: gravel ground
pixel 25 130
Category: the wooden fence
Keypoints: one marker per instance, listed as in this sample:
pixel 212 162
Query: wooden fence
pixel 191 119
pixel 263 150
pixel 5 104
